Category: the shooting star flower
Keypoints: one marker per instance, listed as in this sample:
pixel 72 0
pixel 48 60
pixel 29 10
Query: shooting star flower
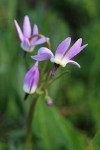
pixel 62 56
pixel 28 41
pixel 31 79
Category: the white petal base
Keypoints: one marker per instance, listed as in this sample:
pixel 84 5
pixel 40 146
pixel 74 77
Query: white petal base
pixel 27 89
pixel 25 48
pixel 58 60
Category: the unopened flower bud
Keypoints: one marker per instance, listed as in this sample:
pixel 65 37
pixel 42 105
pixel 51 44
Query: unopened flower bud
pixel 49 102
pixel 31 79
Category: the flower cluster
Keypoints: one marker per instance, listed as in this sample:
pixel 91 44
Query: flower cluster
pixel 63 55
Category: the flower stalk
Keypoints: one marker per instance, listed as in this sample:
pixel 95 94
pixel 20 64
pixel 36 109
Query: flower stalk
pixel 29 123
pixel 60 75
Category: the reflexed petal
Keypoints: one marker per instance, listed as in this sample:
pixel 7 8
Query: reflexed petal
pixel 31 79
pixel 74 63
pixel 74 50
pixel 82 47
pixel 20 34
pixel 43 50
pixel 41 41
pixel 63 46
pixel 26 27
pixel 35 31
pixel 43 54
pixel 41 57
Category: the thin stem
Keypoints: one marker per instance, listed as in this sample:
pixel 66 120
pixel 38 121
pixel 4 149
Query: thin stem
pixel 26 64
pixel 44 84
pixel 58 77
pixel 46 79
pixel 44 67
pixel 30 118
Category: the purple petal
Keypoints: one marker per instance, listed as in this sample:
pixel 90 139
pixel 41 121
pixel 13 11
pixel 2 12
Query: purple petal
pixel 63 46
pixel 41 41
pixel 26 27
pixel 43 50
pixel 41 57
pixel 26 44
pixel 35 31
pixel 43 54
pixel 20 34
pixel 74 63
pixel 82 47
pixel 31 79
pixel 74 50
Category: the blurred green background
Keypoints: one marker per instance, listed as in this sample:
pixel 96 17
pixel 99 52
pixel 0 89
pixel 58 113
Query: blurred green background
pixel 73 123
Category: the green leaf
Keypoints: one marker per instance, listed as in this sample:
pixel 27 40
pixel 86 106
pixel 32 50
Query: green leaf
pixel 96 141
pixel 53 131
pixel 3 146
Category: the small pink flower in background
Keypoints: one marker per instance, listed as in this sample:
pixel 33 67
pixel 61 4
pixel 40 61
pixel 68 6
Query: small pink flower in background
pixel 49 102
pixel 31 79
pixel 25 35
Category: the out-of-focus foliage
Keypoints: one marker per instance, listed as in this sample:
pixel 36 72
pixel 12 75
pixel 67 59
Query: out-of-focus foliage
pixel 76 95
pixel 59 135
pixel 96 141
pixel 77 12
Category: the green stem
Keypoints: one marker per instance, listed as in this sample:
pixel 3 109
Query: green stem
pixel 44 68
pixel 46 79
pixel 44 84
pixel 29 124
pixel 58 77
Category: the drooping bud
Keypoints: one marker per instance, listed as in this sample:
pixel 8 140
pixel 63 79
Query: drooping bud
pixel 49 102
pixel 31 79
